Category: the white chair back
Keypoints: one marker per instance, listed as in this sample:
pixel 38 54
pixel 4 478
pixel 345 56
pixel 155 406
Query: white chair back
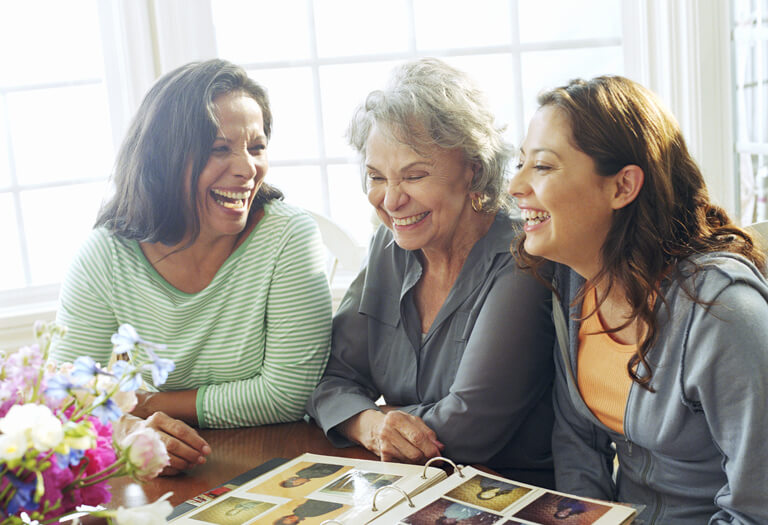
pixel 761 231
pixel 344 250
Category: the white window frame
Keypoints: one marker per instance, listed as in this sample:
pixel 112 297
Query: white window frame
pixel 679 49
pixel 682 50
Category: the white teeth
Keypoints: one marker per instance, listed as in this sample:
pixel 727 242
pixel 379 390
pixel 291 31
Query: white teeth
pixel 232 194
pixel 405 221
pixel 534 216
pixel 236 199
pixel 232 205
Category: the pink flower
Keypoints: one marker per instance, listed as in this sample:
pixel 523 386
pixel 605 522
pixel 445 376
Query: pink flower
pixel 55 479
pixel 145 452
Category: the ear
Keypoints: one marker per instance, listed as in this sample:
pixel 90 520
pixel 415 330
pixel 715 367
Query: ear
pixel 626 186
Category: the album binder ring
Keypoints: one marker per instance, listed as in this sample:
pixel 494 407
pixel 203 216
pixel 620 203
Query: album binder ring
pixel 390 487
pixel 331 522
pixel 456 467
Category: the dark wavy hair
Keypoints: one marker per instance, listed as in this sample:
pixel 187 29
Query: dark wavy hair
pixel 617 122
pixel 171 133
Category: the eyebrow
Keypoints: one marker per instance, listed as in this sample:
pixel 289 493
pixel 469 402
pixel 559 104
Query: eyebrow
pixel 406 167
pixel 260 136
pixel 537 150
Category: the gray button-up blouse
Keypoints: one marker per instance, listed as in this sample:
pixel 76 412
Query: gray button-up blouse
pixel 481 378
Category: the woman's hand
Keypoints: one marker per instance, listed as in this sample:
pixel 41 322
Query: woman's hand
pixel 184 445
pixel 393 436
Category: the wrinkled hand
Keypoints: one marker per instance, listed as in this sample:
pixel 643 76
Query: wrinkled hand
pixel 394 435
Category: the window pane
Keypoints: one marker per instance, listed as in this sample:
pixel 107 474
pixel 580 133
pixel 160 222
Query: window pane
pixel 248 31
pixel 345 87
pixel 301 185
pixel 349 204
pixel 451 25
pixel 494 76
pixel 11 267
pixel 5 161
pixel 548 20
pixel 373 27
pixel 60 134
pixel 57 221
pixel 548 69
pixel 49 41
pixel 292 100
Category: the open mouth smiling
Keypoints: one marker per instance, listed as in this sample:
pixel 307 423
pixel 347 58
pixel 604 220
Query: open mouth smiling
pixel 234 200
pixel 533 217
pixel 406 221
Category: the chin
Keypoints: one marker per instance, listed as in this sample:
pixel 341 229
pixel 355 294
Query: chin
pixel 408 244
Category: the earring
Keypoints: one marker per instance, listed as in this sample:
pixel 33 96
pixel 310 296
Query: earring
pixel 477 203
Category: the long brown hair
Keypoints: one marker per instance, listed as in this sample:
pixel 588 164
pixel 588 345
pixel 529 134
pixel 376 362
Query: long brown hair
pixel 173 131
pixel 618 123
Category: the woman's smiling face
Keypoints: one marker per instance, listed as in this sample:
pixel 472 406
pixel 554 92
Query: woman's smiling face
pixel 566 205
pixel 236 167
pixel 422 197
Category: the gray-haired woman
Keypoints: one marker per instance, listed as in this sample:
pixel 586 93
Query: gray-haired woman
pixel 196 252
pixel 441 322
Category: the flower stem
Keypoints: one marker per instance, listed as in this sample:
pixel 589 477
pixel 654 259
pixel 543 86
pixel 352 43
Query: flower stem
pixel 100 476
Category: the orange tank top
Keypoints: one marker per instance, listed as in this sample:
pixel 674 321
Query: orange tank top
pixel 602 368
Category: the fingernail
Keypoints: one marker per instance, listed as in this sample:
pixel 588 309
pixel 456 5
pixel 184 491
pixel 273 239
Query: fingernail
pixel 201 459
pixel 206 449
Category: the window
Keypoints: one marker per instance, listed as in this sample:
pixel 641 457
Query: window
pixel 55 138
pixel 750 41
pixel 319 59
pixel 64 106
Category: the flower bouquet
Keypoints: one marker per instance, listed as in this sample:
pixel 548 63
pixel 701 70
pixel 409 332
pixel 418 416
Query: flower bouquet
pixel 59 439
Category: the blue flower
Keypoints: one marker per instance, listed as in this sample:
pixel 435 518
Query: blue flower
pixel 125 339
pixel 24 496
pixel 126 373
pixel 84 369
pixel 105 409
pixel 160 370
pixel 72 459
pixel 159 366
pixel 58 387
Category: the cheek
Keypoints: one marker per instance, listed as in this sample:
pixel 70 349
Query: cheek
pixel 375 197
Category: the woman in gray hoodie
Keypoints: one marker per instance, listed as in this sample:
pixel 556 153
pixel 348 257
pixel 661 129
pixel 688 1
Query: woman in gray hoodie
pixel 660 309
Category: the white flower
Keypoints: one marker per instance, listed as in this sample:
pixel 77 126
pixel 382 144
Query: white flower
pixel 36 422
pixel 12 446
pixel 146 453
pixel 151 514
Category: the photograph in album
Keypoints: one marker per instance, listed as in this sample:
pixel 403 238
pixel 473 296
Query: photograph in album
pixel 314 489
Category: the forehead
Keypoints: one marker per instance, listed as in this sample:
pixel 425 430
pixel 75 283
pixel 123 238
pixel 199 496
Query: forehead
pixel 382 145
pixel 238 109
pixel 549 128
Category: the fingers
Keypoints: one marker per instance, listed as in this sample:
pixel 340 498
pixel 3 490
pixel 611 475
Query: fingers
pixel 404 437
pixel 170 471
pixel 184 445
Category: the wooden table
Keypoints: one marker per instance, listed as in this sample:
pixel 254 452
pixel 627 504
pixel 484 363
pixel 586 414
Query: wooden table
pixel 233 452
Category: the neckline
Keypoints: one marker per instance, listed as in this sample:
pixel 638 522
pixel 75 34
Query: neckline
pixel 235 255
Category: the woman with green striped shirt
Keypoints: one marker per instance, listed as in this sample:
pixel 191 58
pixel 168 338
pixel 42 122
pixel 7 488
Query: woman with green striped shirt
pixel 197 253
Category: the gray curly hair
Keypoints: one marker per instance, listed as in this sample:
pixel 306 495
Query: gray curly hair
pixel 429 103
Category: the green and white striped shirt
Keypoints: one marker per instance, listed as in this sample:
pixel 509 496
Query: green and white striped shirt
pixel 254 342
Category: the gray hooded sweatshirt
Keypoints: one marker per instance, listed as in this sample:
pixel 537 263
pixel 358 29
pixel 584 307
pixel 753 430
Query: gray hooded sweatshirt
pixel 695 450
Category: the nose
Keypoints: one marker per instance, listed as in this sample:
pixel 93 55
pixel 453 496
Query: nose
pixel 246 165
pixel 395 197
pixel 518 185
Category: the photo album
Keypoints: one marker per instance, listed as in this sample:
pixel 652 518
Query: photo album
pixel 314 489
